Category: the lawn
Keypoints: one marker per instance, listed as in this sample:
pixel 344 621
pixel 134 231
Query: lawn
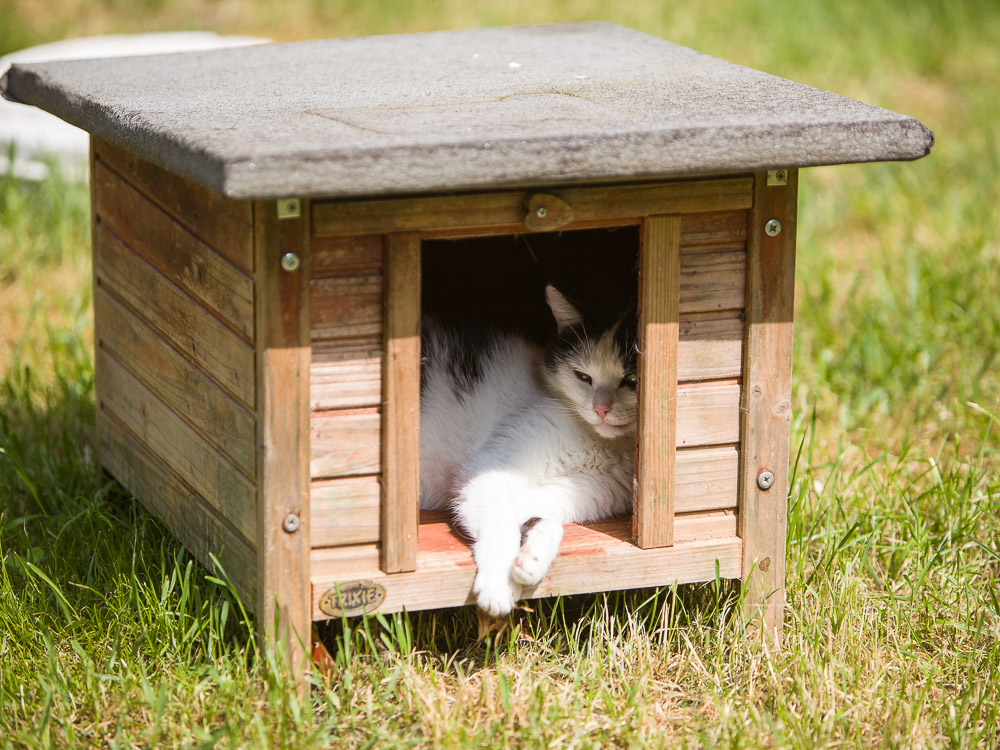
pixel 111 635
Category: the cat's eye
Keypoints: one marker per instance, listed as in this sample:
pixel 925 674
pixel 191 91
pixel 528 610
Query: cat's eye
pixel 629 380
pixel 583 376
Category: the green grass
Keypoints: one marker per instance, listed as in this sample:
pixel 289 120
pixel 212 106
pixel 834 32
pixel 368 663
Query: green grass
pixel 110 635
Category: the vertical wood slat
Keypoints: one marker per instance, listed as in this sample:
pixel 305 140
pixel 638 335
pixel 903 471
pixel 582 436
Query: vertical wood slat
pixel 401 403
pixel 766 413
pixel 282 362
pixel 659 294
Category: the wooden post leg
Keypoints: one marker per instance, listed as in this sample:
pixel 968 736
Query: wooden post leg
pixel 659 294
pixel 282 371
pixel 400 403
pixel 766 400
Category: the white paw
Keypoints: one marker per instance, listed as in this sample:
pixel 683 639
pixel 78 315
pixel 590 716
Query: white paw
pixel 529 568
pixel 496 596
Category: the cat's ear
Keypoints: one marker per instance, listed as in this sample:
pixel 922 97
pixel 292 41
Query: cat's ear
pixel 565 314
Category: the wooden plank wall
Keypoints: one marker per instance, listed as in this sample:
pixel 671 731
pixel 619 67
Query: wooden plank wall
pixel 345 285
pixel 174 324
pixel 713 256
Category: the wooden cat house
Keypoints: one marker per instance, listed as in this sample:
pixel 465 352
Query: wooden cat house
pixel 270 222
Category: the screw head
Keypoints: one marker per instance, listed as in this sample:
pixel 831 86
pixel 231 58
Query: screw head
pixel 290 262
pixel 765 480
pixel 291 523
pixel 772 228
pixel 541 212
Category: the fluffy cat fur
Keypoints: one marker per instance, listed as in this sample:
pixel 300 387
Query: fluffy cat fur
pixel 517 441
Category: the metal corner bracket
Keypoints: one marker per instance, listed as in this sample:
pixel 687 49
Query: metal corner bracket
pixel 289 208
pixel 777 177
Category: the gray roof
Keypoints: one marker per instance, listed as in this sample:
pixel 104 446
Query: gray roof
pixel 458 110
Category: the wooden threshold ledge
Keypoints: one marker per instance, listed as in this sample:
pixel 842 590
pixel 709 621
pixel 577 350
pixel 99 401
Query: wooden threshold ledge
pixel 593 557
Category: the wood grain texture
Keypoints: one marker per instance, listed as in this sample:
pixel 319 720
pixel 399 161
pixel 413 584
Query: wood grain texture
pixel 710 347
pixel 176 443
pixel 707 479
pixel 175 315
pixel 346 374
pixel 712 281
pixel 346 306
pixel 181 510
pixel 659 286
pixel 345 443
pixel 401 403
pixel 504 211
pixel 174 251
pixel 282 356
pixel 708 414
pixel 592 557
pixel 336 255
pixel 345 511
pixel 223 224
pixel 185 389
pixel 766 417
pixel 722 228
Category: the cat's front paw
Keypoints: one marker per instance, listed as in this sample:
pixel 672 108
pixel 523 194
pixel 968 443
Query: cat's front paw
pixel 529 568
pixel 539 549
pixel 497 597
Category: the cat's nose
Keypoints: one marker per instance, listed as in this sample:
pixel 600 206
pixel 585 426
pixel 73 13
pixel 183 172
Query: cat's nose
pixel 602 410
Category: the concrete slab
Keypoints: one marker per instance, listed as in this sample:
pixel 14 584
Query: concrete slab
pixel 458 110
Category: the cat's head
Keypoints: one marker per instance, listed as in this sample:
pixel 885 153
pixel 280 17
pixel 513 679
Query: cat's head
pixel 591 365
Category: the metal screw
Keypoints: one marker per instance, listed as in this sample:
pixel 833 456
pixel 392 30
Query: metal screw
pixel 765 479
pixel 772 228
pixel 290 262
pixel 291 523
pixel 541 212
pixel 777 177
pixel 289 208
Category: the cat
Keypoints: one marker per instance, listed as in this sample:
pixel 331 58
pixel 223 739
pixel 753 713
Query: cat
pixel 516 440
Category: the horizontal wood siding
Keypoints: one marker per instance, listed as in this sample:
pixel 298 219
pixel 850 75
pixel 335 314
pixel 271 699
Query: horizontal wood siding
pixel 346 302
pixel 345 511
pixel 712 281
pixel 185 389
pixel 174 251
pixel 198 526
pixel 710 347
pixel 345 443
pixel 721 229
pixel 225 487
pixel 710 362
pixel 336 255
pixel 345 374
pixel 225 225
pixel 343 307
pixel 176 316
pixel 707 478
pixel 174 367
pixel 708 414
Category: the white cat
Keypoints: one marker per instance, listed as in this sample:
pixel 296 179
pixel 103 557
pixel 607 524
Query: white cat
pixel 516 440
